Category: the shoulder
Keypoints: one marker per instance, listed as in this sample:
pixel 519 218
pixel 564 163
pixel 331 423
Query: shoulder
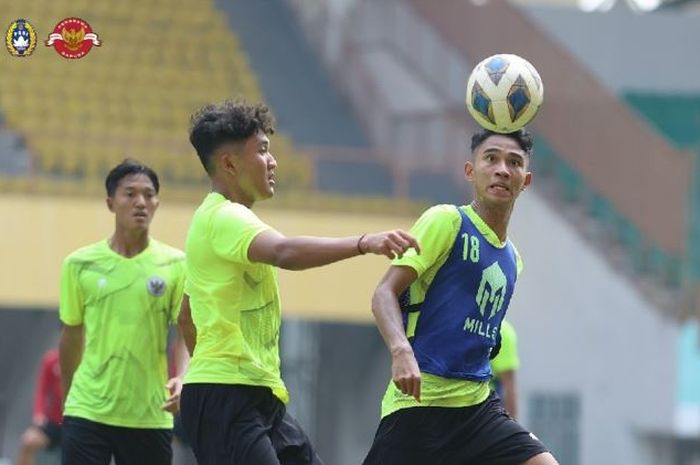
pixel 166 251
pixel 442 213
pixel 88 253
pixel 518 258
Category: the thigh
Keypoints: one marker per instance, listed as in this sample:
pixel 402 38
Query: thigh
pixel 84 442
pixel 224 424
pixel 489 436
pixel 406 437
pixel 142 446
pixel 53 433
pixel 292 445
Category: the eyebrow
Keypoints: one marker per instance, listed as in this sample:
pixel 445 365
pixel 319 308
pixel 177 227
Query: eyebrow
pixel 509 152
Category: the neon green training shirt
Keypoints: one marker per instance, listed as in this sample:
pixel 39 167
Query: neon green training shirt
pixel 507 358
pixel 235 303
pixel 436 231
pixel 125 305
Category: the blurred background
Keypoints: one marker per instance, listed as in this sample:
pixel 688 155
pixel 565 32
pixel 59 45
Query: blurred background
pixel 369 97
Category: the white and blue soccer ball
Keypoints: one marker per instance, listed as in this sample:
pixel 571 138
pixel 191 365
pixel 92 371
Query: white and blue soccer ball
pixel 504 93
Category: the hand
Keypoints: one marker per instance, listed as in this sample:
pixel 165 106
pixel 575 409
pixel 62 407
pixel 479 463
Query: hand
pixel 390 243
pixel 172 403
pixel 405 372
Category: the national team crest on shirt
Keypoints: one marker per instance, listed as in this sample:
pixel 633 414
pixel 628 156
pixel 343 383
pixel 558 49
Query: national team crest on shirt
pixel 72 38
pixel 156 286
pixel 20 38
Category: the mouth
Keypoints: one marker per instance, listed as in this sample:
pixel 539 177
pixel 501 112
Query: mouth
pixel 141 215
pixel 499 187
pixel 271 179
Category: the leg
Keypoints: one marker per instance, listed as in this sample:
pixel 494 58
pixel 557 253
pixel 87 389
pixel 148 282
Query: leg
pixel 33 440
pixel 85 442
pixel 140 446
pixel 292 445
pixel 225 426
pixel 542 459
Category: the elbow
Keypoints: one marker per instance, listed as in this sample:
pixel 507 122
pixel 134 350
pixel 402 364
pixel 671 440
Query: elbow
pixel 287 258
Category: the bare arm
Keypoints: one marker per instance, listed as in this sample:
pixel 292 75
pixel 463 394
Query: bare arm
pixel 302 252
pixel 387 313
pixel 181 359
pixel 510 394
pixel 186 327
pixel 70 353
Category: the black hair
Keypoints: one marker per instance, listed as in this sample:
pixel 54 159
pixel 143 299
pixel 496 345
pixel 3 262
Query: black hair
pixel 522 136
pixel 124 169
pixel 226 122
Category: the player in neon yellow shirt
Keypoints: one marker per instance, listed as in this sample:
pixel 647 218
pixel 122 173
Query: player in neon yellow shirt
pixel 233 400
pixel 440 314
pixel 118 298
pixel 505 367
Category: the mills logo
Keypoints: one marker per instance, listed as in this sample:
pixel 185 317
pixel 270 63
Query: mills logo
pixel 20 38
pixel 72 38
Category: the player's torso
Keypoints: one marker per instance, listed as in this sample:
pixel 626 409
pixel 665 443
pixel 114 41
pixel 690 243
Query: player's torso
pixel 464 306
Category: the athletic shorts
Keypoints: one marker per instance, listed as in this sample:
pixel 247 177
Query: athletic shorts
pixel 87 442
pixel 229 424
pixel 53 433
pixel 482 434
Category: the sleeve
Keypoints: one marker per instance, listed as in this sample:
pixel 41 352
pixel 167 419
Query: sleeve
pixel 507 359
pixel 435 232
pixel 42 388
pixel 518 261
pixel 233 229
pixel 178 290
pixel 71 305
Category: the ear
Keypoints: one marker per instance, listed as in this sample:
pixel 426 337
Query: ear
pixel 528 180
pixel 469 171
pixel 227 163
pixel 110 204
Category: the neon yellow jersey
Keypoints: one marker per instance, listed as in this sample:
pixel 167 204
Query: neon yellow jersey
pixel 235 303
pixel 436 231
pixel 125 305
pixel 507 358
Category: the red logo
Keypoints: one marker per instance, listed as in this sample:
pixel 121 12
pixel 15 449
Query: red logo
pixel 72 38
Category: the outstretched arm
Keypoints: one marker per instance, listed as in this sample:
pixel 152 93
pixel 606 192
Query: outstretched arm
pixel 302 252
pixel 387 313
pixel 70 353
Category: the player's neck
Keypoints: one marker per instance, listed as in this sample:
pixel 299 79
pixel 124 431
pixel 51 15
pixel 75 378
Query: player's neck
pixel 496 217
pixel 129 243
pixel 232 193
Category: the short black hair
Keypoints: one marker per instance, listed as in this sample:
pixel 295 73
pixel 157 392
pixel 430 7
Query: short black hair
pixel 124 169
pixel 226 122
pixel 522 136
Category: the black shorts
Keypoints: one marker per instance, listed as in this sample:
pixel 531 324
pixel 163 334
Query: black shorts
pixel 243 425
pixel 53 433
pixel 87 442
pixel 482 434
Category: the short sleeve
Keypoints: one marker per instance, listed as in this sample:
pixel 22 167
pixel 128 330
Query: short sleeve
pixel 435 232
pixel 234 227
pixel 507 359
pixel 71 304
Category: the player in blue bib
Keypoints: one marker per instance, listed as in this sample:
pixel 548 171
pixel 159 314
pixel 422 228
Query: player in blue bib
pixel 440 314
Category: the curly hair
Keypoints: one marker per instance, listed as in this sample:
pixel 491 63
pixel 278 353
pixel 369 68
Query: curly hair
pixel 226 122
pixel 522 136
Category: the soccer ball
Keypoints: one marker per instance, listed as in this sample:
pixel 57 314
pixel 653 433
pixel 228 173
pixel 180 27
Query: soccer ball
pixel 504 93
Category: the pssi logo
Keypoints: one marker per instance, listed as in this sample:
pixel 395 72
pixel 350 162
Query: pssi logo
pixel 20 38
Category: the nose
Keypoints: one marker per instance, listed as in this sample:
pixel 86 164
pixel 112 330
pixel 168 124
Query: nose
pixel 272 162
pixel 502 169
pixel 140 200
